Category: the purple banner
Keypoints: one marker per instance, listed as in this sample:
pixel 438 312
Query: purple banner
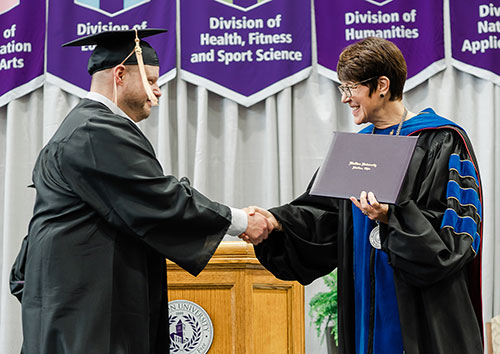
pixel 68 20
pixel 22 37
pixel 475 37
pixel 245 50
pixel 415 26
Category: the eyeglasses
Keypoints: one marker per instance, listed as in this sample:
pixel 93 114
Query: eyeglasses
pixel 347 89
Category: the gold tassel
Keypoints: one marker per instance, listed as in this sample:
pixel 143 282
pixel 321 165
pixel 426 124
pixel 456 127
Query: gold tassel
pixel 142 72
pixel 115 92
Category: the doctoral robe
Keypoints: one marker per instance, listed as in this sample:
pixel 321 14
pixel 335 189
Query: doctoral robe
pixel 431 243
pixel 105 219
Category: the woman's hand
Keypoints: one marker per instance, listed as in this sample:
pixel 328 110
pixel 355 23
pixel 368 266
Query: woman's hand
pixel 370 206
pixel 272 223
pixel 270 217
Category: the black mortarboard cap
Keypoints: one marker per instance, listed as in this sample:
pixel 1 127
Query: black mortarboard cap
pixel 112 47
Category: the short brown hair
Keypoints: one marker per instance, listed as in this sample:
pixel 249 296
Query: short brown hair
pixel 373 57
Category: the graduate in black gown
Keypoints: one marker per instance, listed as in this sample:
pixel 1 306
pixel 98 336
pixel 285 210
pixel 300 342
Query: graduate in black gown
pixel 415 289
pixel 91 275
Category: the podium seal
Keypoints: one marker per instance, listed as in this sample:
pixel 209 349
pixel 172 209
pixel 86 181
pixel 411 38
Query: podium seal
pixel 191 329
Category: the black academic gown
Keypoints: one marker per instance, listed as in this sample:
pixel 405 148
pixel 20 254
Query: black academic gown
pixel 437 282
pixel 105 219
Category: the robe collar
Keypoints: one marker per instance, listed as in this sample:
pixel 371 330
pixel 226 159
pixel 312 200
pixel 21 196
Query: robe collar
pixel 94 96
pixel 426 119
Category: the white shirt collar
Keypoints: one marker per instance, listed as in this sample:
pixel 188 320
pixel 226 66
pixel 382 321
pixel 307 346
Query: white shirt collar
pixel 94 96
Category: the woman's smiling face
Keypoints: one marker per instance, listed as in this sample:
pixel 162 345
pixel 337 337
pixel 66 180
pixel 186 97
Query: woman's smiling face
pixel 362 104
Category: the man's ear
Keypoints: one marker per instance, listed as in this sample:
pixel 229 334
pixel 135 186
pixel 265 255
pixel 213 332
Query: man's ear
pixel 118 74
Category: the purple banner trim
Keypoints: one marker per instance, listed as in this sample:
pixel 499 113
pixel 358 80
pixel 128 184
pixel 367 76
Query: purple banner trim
pixel 68 20
pixel 112 6
pixel 475 37
pixel 245 50
pixel 415 26
pixel 244 3
pixel 22 37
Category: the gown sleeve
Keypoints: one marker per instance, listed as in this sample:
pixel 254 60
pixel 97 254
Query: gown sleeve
pixel 112 168
pixel 435 229
pixel 307 247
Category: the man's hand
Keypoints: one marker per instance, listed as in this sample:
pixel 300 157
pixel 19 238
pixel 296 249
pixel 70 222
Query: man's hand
pixel 255 209
pixel 258 228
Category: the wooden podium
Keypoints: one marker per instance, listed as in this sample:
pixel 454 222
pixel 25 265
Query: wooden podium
pixel 252 312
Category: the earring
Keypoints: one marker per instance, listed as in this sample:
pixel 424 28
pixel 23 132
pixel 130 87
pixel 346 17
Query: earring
pixel 382 95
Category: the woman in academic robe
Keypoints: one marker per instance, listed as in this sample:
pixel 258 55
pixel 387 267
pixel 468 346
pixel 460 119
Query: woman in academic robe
pixel 409 274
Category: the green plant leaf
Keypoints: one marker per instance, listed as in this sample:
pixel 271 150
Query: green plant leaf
pixel 323 307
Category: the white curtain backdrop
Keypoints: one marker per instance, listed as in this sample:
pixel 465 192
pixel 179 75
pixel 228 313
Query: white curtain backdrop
pixel 262 155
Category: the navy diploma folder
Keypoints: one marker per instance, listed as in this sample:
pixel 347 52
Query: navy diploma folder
pixel 364 162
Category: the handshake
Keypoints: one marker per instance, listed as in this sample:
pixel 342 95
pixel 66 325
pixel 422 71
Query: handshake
pixel 260 224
